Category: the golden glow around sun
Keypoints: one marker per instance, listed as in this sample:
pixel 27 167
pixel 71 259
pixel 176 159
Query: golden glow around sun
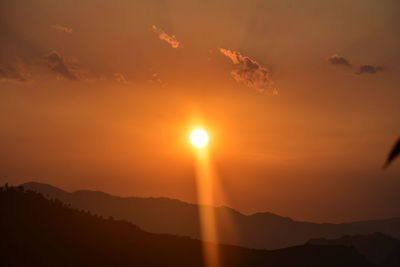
pixel 199 137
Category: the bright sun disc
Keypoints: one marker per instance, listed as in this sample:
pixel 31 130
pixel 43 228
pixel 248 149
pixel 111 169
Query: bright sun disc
pixel 199 138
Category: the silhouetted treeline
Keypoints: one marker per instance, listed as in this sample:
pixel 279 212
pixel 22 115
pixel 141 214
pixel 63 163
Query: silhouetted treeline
pixel 40 232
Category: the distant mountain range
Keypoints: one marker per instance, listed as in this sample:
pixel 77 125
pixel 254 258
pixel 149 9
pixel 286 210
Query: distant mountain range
pixel 170 216
pixel 36 231
pixel 378 248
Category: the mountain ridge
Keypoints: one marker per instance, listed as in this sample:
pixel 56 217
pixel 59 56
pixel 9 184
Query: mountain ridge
pixel 32 185
pixel 59 235
pixel 258 230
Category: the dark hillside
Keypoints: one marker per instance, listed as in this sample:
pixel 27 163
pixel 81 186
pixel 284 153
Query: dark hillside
pixel 41 232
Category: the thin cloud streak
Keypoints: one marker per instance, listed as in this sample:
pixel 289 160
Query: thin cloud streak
pixel 120 78
pixel 170 39
pixel 62 28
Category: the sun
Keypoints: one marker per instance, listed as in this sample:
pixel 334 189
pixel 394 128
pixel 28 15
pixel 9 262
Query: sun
pixel 199 138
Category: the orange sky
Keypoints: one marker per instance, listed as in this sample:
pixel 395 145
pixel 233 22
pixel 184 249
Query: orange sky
pixel 302 110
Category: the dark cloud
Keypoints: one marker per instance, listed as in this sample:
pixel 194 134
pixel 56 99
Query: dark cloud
pixel 58 65
pixel 339 60
pixel 249 72
pixel 13 74
pixel 369 69
pixel 363 69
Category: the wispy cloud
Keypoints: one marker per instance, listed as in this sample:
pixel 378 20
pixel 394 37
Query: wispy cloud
pixel 339 60
pixel 369 69
pixel 13 74
pixel 156 79
pixel 170 39
pixel 119 77
pixel 249 72
pixel 62 28
pixel 57 64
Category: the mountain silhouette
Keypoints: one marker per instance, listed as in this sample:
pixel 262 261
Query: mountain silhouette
pixel 37 231
pixel 378 248
pixel 164 215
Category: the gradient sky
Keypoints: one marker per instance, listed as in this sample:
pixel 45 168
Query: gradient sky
pixel 301 99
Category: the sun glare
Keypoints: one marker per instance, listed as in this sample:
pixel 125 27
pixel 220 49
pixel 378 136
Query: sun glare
pixel 199 138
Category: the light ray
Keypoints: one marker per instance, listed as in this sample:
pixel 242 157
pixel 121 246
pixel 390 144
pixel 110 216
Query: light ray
pixel 205 190
pixel 205 177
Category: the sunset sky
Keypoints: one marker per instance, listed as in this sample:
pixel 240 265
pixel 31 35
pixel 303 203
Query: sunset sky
pixel 301 100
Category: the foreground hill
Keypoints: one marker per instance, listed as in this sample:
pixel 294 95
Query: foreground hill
pixel 40 232
pixel 378 248
pixel 260 230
